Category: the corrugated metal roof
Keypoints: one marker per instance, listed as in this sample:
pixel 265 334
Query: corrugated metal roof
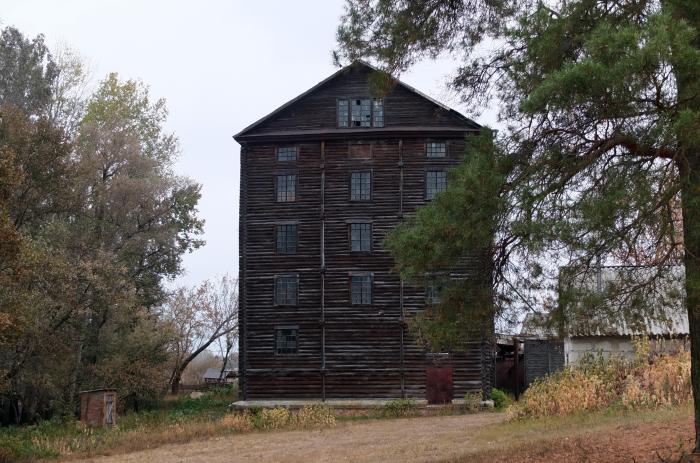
pixel 537 325
pixel 653 305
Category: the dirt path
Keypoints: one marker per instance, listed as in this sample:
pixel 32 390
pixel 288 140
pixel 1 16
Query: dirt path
pixel 412 439
pixel 653 436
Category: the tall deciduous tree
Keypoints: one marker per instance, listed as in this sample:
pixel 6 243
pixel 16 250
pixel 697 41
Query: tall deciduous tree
pixel 135 212
pixel 600 161
pixel 200 316
pixel 27 71
pixel 92 220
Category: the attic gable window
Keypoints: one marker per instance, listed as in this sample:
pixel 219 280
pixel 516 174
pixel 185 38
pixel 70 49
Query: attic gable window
pixel 378 112
pixel 360 112
pixel 343 113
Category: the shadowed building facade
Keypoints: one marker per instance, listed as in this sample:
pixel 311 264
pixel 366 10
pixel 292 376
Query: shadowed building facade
pixel 324 178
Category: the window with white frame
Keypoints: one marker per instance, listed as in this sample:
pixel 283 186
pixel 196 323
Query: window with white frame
pixel 435 182
pixel 360 186
pixel 286 289
pixel 360 237
pixel 287 153
pixel 286 188
pixel 436 149
pixel 361 289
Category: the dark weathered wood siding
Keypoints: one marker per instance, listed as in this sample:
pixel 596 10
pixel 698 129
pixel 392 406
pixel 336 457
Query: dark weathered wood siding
pixel 402 108
pixel 542 357
pixel 344 350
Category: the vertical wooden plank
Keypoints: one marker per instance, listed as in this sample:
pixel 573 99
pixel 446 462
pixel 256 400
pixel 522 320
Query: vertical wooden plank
pixel 323 271
pixel 242 286
pixel 402 319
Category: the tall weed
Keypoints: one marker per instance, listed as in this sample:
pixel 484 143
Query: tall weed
pixel 649 380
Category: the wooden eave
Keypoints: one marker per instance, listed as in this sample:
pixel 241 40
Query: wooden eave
pixel 339 134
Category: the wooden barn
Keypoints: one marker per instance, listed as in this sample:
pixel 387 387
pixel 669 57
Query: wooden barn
pixel 323 179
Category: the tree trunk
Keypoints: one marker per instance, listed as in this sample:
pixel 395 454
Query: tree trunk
pixel 691 231
pixel 175 384
pixel 688 162
pixel 224 363
pixel 78 364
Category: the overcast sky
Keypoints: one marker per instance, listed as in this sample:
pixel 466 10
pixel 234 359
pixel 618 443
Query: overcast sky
pixel 220 65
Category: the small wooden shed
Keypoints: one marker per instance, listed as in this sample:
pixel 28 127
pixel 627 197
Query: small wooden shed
pixel 99 407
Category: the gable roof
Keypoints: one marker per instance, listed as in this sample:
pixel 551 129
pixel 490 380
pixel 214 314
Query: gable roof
pixel 468 122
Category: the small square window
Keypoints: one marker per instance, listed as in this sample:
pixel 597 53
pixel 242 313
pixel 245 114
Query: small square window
pixel 435 182
pixel 436 150
pixel 286 341
pixel 286 188
pixel 286 239
pixel 286 289
pixel 360 186
pixel 360 237
pixel 287 153
pixel 361 289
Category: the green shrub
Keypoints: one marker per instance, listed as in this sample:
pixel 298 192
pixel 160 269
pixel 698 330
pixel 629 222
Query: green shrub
pixel 501 400
pixel 398 408
pixel 227 392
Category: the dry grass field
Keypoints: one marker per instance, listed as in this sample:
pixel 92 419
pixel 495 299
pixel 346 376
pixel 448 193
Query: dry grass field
pixel 603 437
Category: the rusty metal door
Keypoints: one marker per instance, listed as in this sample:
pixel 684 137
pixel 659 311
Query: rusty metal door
pixel 438 385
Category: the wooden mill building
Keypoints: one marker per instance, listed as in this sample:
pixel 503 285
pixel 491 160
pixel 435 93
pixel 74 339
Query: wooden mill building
pixel 323 179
